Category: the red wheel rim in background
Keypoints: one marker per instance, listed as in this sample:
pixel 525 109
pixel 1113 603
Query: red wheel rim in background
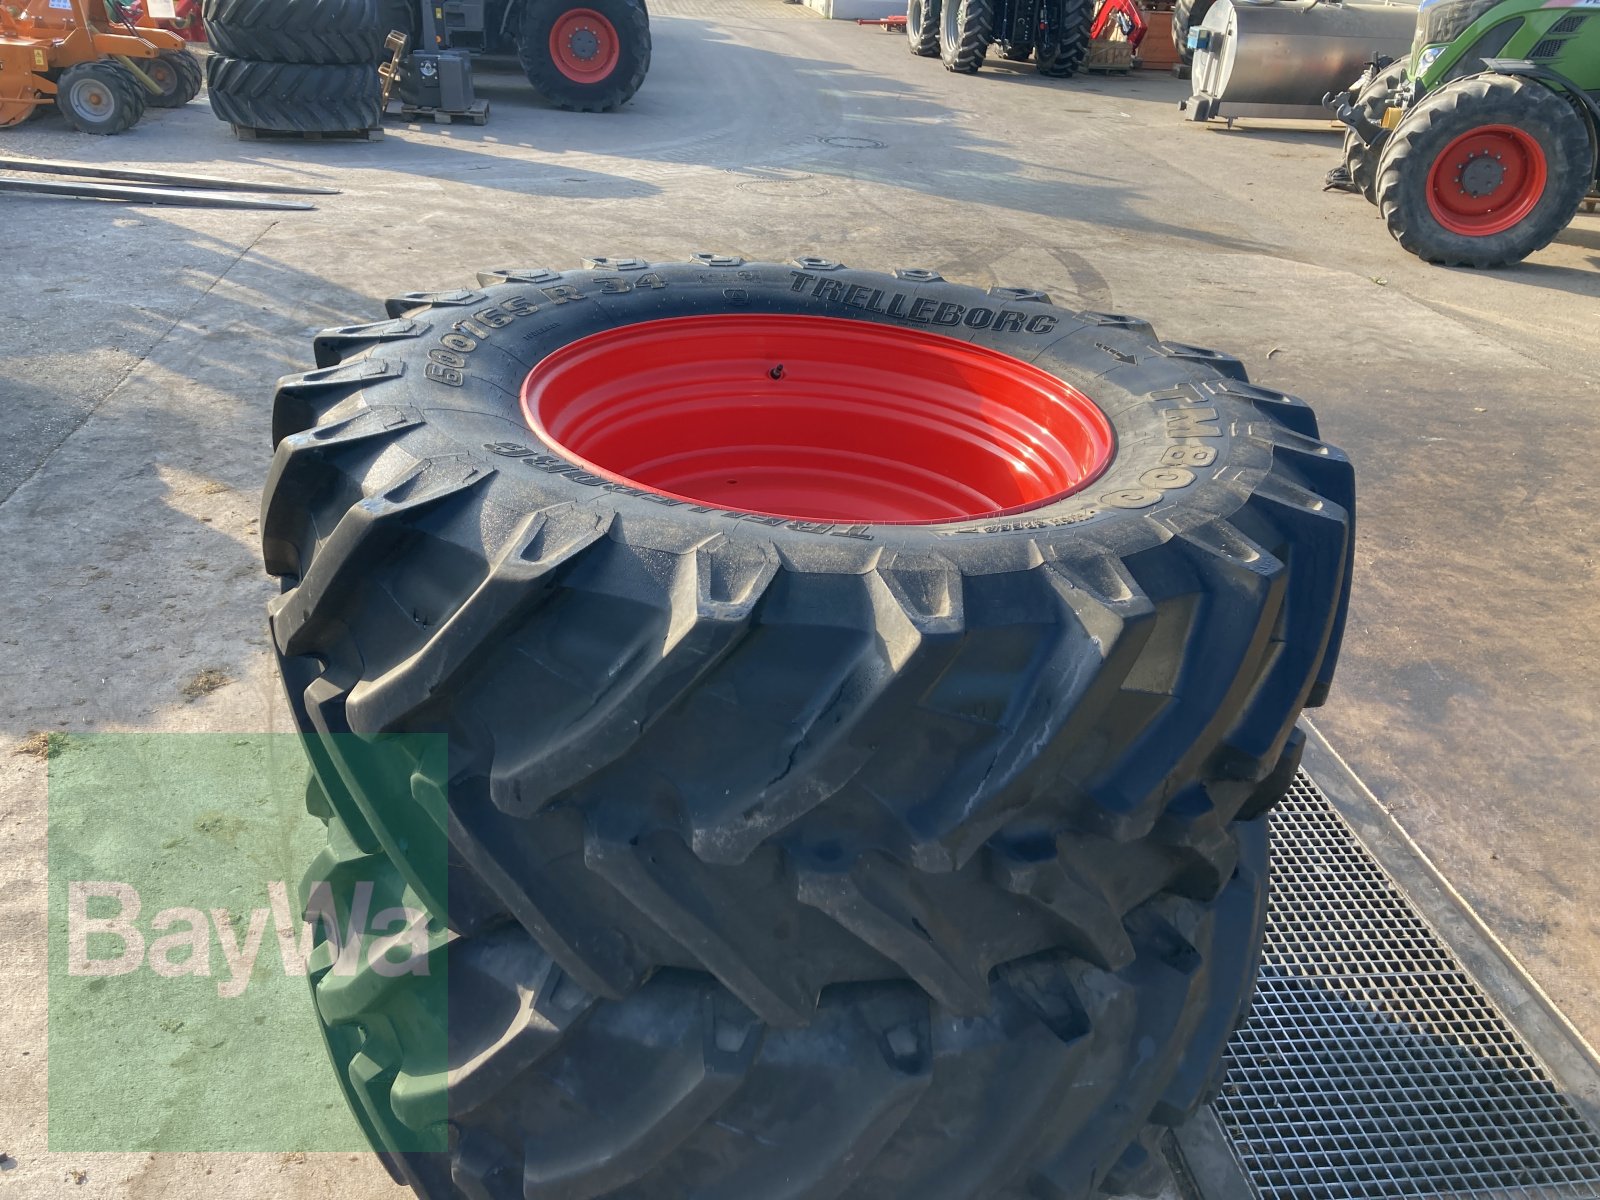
pixel 1519 156
pixel 817 419
pixel 584 45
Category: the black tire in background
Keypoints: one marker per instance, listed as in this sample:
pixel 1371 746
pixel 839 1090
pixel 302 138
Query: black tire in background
pixel 922 27
pixel 1457 108
pixel 327 32
pixel 630 21
pixel 890 806
pixel 1077 16
pixel 1372 101
pixel 965 27
pixel 100 97
pixel 1187 15
pixel 295 98
pixel 398 16
pixel 177 73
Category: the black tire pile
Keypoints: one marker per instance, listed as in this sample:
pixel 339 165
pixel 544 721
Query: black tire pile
pixel 921 861
pixel 295 66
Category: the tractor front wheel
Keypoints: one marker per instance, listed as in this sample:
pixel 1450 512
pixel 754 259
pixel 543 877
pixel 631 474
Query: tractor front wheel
pixel 1484 171
pixel 1371 99
pixel 177 73
pixel 590 57
pixel 922 27
pixel 100 97
pixel 965 28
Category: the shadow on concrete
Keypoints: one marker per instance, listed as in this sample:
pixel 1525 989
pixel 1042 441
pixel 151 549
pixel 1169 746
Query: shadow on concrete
pixel 201 309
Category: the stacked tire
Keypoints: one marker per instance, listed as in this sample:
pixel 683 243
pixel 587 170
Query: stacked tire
pixel 299 66
pixel 839 709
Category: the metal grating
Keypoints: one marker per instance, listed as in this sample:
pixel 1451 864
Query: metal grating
pixel 1371 1066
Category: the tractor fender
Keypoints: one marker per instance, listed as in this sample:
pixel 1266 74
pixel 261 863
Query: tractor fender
pixel 1587 104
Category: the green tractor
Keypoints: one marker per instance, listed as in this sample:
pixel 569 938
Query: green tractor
pixel 1482 147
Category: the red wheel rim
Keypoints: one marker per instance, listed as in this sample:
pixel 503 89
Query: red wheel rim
pixel 816 419
pixel 1486 180
pixel 584 45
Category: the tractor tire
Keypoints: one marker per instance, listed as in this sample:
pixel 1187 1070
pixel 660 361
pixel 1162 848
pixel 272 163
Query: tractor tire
pixel 1061 1087
pixel 1484 171
pixel 936 741
pixel 1077 16
pixel 965 27
pixel 922 27
pixel 1371 101
pixel 1187 15
pixel 305 32
pixel 100 97
pixel 294 98
pixel 586 57
pixel 177 73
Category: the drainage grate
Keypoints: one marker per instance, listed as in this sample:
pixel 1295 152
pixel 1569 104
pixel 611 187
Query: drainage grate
pixel 1372 1067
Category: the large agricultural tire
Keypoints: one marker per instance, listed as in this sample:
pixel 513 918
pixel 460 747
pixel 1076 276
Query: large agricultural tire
pixel 294 98
pixel 324 32
pixel 177 73
pixel 100 97
pixel 922 27
pixel 1060 1088
pixel 965 27
pixel 1187 15
pixel 1371 101
pixel 1077 17
pixel 589 56
pixel 1484 171
pixel 893 761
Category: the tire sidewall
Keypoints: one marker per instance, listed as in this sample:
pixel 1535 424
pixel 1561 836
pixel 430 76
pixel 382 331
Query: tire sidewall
pixel 1184 455
pixel 949 29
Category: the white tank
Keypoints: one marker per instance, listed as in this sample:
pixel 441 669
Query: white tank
pixel 1278 58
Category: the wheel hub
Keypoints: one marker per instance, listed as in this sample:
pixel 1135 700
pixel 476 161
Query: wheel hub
pixel 92 98
pixel 1482 175
pixel 584 44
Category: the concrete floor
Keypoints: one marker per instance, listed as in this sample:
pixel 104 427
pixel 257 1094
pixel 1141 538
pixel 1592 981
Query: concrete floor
pixel 140 346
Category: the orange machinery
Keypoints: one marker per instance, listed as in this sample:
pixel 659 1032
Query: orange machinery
pixel 91 61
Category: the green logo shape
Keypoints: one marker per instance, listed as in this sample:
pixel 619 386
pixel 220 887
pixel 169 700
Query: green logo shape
pixel 218 928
